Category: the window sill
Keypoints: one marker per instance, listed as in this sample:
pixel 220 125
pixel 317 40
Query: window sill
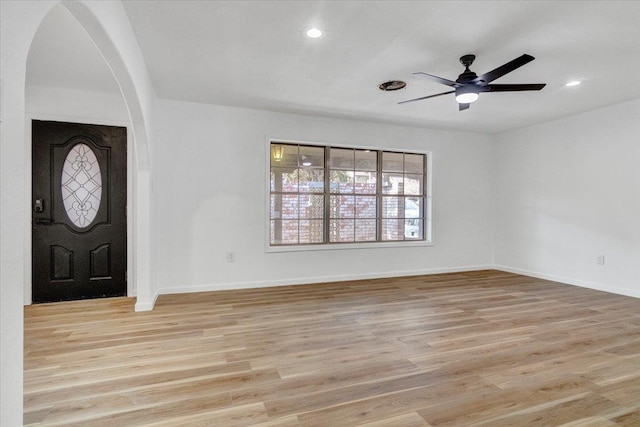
pixel 341 246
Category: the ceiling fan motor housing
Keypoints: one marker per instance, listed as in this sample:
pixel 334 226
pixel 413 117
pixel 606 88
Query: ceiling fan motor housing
pixel 467 60
pixel 468 75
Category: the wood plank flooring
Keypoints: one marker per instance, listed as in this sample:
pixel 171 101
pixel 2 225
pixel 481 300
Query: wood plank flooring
pixel 483 348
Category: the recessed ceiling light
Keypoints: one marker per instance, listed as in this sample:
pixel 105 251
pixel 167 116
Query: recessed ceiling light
pixel 573 83
pixel 314 33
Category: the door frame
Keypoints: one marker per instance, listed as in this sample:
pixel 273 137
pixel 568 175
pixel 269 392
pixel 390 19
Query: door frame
pixel 131 286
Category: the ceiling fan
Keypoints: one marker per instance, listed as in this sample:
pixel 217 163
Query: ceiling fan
pixel 469 85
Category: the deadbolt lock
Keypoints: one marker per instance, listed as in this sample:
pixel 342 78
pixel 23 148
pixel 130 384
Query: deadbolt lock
pixel 38 205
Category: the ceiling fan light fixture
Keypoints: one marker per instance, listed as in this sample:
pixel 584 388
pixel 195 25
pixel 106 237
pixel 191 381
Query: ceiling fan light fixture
pixel 305 160
pixel 466 94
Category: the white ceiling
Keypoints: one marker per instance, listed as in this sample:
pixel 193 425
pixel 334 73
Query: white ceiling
pixel 255 54
pixel 63 55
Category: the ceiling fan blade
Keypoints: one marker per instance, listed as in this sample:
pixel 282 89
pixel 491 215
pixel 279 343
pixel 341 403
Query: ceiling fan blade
pixel 437 79
pixel 504 69
pixel 463 107
pixel 513 87
pixel 426 97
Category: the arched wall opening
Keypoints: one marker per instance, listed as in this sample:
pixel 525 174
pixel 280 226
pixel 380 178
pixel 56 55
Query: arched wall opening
pixel 107 25
pixel 68 80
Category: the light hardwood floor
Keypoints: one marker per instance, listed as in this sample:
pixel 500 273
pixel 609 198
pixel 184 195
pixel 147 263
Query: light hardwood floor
pixel 481 348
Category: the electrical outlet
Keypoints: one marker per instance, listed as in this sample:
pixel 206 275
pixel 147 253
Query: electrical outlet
pixel 600 260
pixel 231 257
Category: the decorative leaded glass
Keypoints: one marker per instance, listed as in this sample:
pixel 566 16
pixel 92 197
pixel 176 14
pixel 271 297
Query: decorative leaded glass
pixel 81 185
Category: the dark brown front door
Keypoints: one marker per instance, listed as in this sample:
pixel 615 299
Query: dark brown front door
pixel 78 211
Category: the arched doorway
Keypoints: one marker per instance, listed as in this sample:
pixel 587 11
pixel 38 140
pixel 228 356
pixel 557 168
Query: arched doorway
pixel 70 89
pixel 109 29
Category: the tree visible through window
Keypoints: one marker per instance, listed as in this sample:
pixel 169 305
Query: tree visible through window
pixel 345 195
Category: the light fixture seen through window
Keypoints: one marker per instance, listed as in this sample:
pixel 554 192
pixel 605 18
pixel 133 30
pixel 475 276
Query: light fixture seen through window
pixel 277 151
pixel 466 94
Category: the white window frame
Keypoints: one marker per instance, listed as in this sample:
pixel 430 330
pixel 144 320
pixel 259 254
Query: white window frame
pixel 428 204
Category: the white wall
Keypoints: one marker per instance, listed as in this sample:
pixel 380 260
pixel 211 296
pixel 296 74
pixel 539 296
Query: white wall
pixel 18 23
pixel 568 191
pixel 68 104
pixel 210 173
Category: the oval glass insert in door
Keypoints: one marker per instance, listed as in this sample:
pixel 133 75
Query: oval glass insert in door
pixel 81 185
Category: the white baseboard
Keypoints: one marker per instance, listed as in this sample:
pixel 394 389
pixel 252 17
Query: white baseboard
pixel 318 279
pixel 570 281
pixel 146 305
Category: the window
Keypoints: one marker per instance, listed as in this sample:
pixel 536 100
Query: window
pixel 338 195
